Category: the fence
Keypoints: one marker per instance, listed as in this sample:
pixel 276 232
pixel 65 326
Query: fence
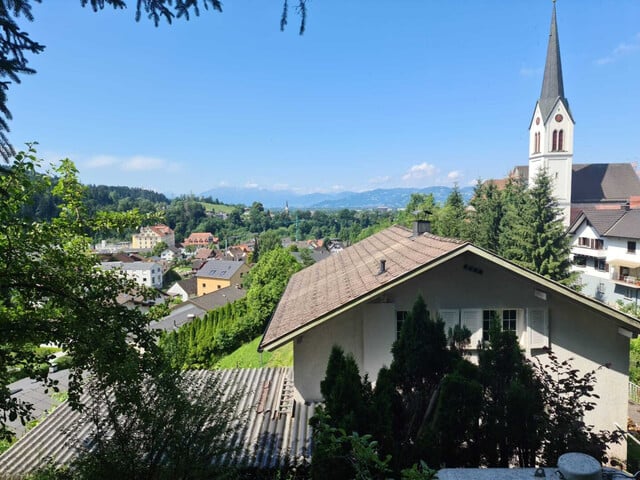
pixel 634 392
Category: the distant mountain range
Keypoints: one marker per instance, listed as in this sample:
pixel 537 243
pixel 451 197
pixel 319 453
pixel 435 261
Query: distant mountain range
pixel 277 199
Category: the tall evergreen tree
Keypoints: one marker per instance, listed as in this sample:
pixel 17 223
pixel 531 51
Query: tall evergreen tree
pixel 450 220
pixel 484 222
pixel 540 242
pixel 514 200
pixel 513 407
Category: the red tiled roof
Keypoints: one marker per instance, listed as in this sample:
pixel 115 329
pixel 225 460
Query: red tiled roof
pixel 346 276
pixel 161 230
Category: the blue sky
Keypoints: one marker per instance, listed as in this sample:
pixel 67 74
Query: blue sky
pixel 374 94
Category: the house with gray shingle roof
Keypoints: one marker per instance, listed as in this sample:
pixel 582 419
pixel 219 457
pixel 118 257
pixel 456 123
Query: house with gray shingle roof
pixel 217 274
pixel 358 299
pixel 604 250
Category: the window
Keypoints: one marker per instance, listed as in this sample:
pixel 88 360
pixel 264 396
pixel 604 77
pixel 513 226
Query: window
pixel 509 318
pixel 554 143
pixel 560 140
pixel 593 243
pixel 536 142
pixel 601 265
pixel 580 260
pixel 509 321
pixel 487 317
pixel 401 316
pixel 631 247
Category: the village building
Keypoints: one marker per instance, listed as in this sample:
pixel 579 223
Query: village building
pixel 358 299
pixel 149 237
pixel 217 274
pixel 148 274
pixel 203 239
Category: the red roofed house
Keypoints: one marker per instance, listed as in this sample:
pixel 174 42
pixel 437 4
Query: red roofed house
pixel 150 236
pixel 358 299
pixel 202 239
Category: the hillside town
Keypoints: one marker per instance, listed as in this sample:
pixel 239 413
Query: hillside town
pixel 494 337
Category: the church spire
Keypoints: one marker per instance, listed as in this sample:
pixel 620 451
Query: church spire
pixel 552 85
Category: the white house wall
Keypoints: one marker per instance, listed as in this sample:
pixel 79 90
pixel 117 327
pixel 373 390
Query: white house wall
pixel 470 282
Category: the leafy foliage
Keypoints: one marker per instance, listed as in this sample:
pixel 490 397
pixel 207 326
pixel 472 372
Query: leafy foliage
pixel 433 405
pixel 52 291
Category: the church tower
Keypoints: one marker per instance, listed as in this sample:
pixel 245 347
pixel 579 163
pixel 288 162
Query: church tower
pixel 551 128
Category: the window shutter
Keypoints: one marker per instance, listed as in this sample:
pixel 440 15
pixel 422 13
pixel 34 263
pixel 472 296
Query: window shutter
pixel 472 319
pixel 451 318
pixel 538 327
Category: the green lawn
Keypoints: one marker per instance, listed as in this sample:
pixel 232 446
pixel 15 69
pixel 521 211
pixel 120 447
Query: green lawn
pixel 247 356
pixel 217 207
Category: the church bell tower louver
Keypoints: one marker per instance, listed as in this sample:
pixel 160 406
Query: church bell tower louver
pixel 552 126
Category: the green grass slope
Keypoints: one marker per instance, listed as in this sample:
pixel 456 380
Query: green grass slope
pixel 247 356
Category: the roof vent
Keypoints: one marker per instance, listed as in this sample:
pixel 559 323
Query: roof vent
pixel 579 466
pixel 383 267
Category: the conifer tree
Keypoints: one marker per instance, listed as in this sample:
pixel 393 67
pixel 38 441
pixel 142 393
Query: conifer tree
pixel 450 219
pixel 484 222
pixel 514 200
pixel 539 237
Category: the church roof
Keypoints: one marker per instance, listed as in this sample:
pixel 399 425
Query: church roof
pixel 598 182
pixel 552 84
pixel 603 182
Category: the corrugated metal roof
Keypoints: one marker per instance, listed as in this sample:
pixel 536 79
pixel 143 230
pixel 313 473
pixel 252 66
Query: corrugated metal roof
pixel 273 427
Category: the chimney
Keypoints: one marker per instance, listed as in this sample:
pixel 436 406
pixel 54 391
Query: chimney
pixel 420 227
pixel 382 267
pixel 634 202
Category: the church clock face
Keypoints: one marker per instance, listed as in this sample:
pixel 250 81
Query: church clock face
pixel 558 118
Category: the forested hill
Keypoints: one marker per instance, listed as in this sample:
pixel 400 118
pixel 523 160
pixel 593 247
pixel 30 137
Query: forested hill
pixel 98 197
pixel 104 197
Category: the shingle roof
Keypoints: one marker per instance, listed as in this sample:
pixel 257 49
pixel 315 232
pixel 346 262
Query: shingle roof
pixel 189 285
pixel 342 278
pixel 219 298
pixel 223 269
pixel 603 182
pixel 273 425
pixel 627 227
pixel 600 220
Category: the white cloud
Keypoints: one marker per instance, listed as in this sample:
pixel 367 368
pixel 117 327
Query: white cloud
pixel 420 171
pixel 135 163
pixel 281 186
pixel 141 163
pixel 454 175
pixel 101 161
pixel 623 49
pixel 251 185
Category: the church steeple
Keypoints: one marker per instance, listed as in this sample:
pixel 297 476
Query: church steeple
pixel 552 125
pixel 552 85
